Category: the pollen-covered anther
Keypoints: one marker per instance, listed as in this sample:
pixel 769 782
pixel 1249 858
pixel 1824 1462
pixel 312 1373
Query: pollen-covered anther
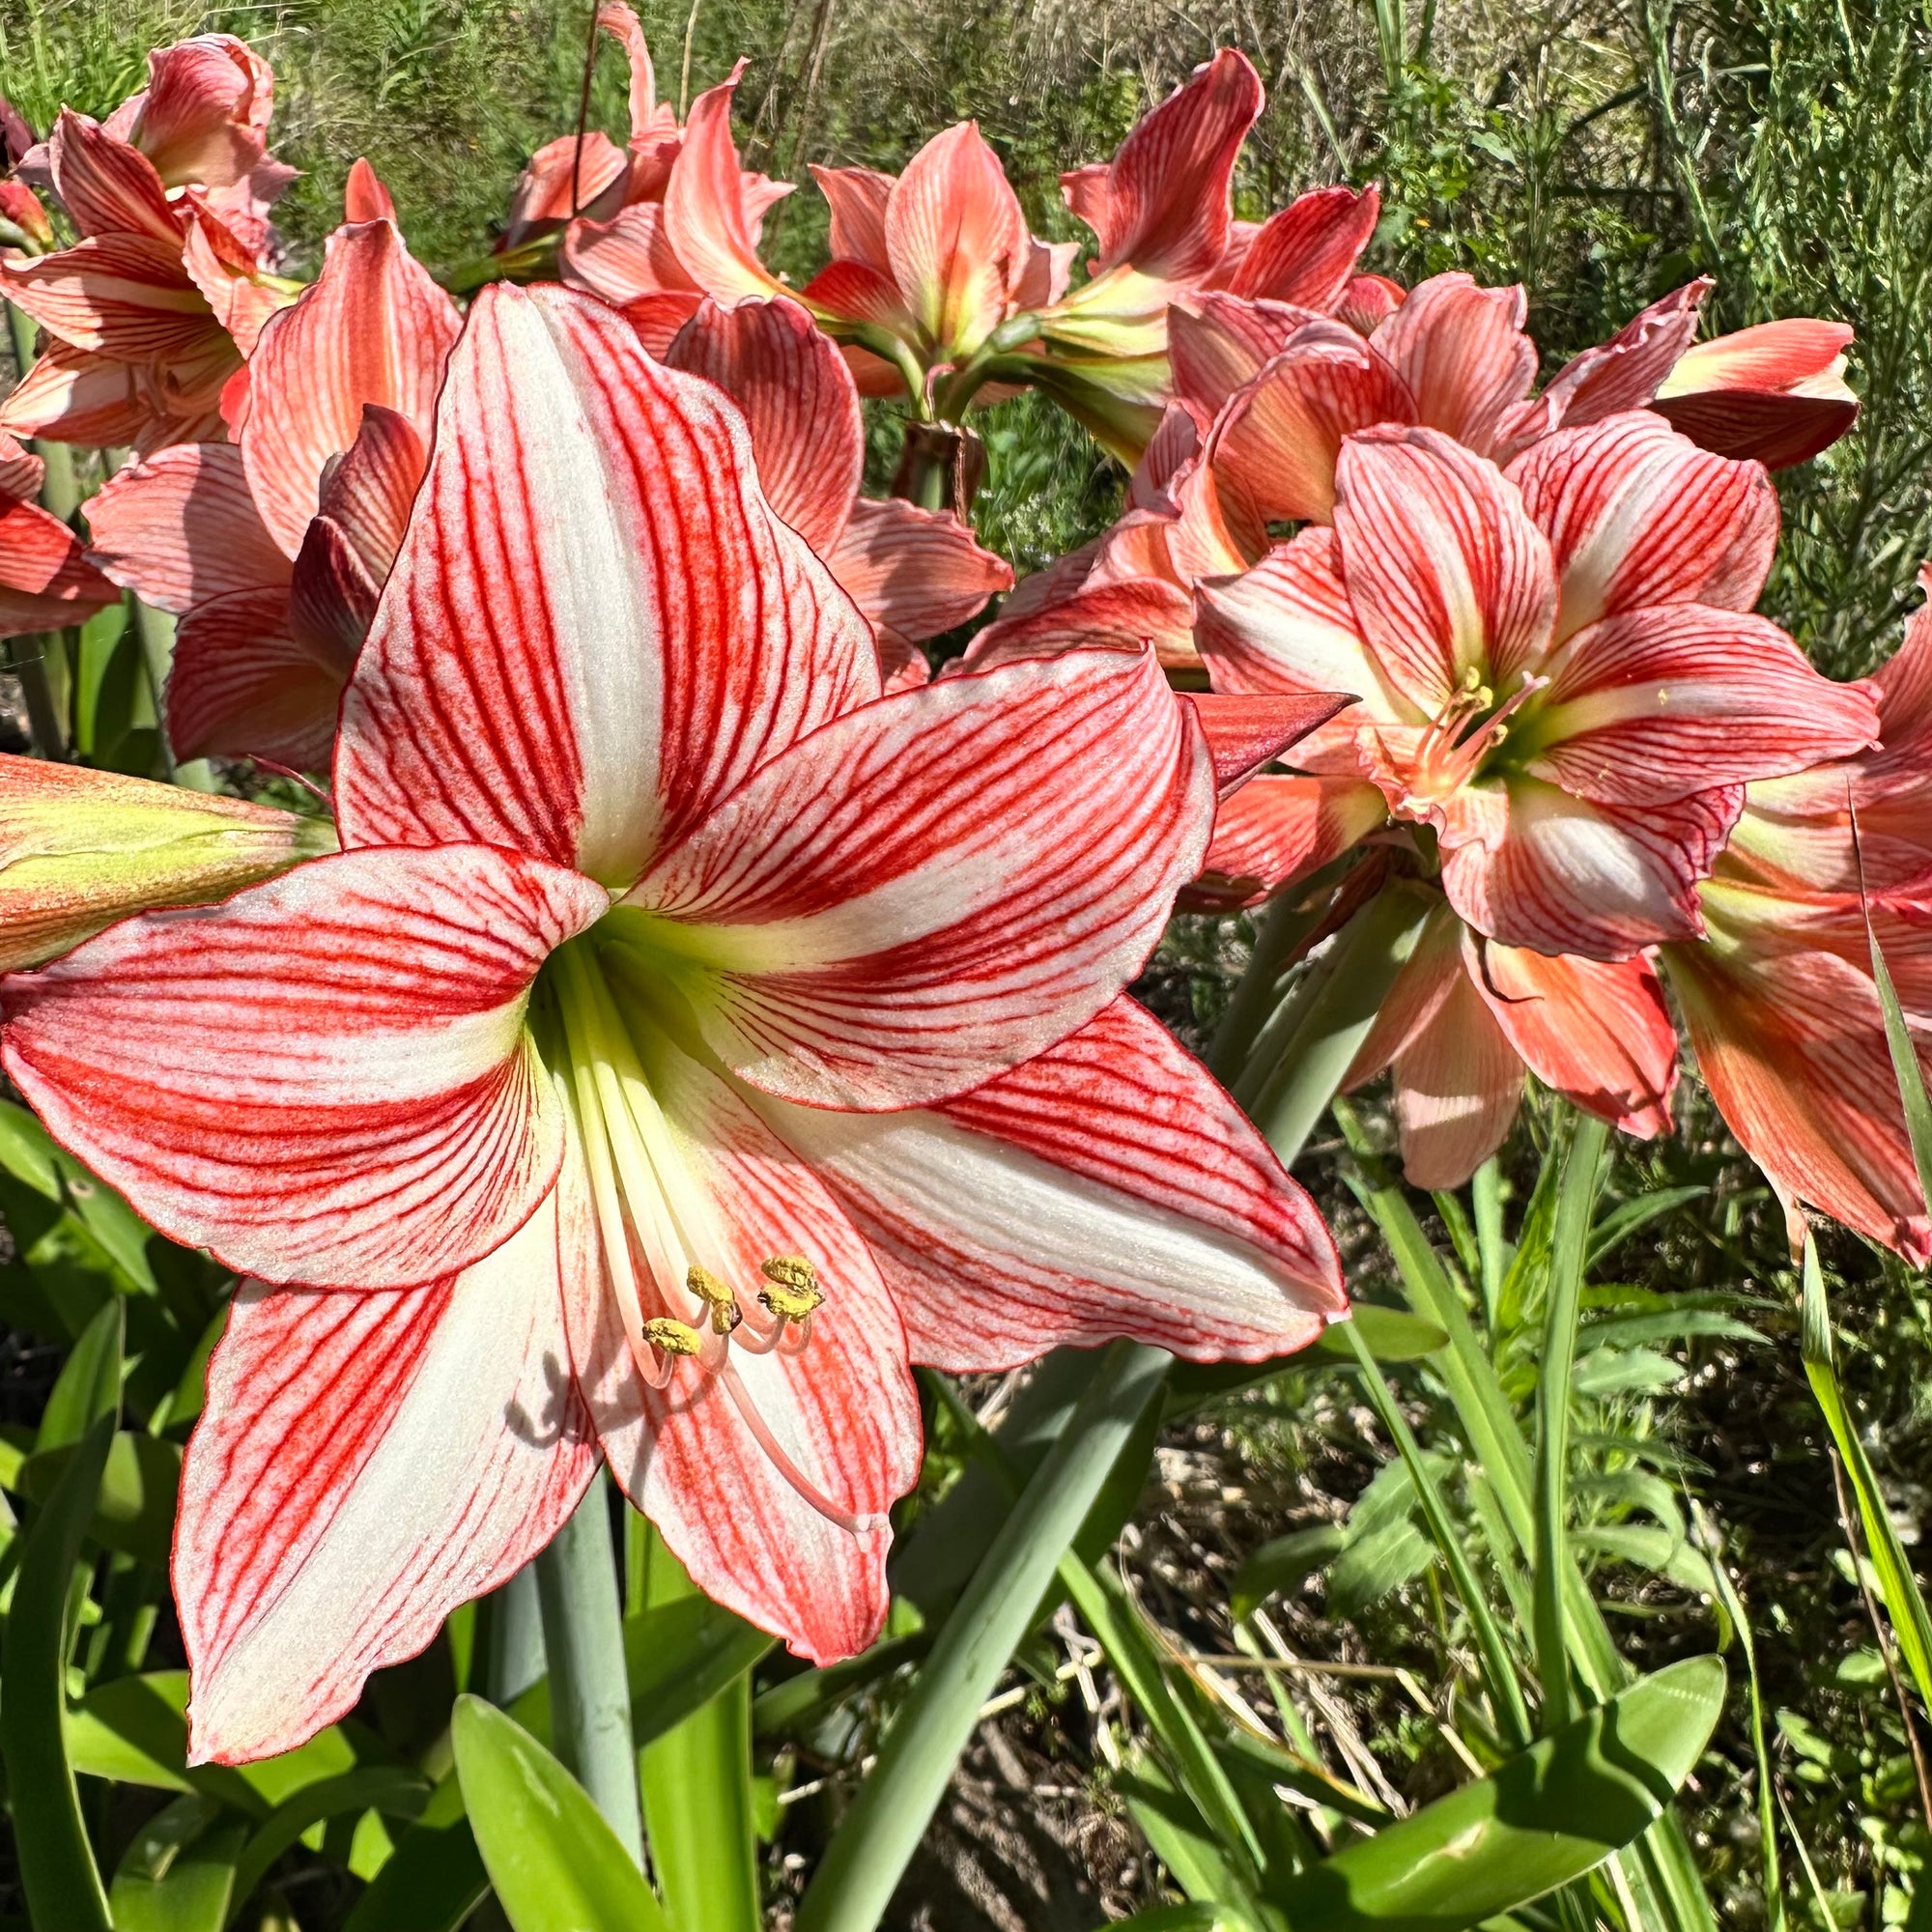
pixel 792 1293
pixel 672 1338
pixel 720 1299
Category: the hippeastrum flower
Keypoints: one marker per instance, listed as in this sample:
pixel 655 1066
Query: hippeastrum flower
pixel 686 1038
pixel 152 310
pixel 913 573
pixel 1557 668
pixel 45 581
pixel 1467 1017
pixel 79 849
pixel 272 548
pixel 1775 393
pixel 1779 999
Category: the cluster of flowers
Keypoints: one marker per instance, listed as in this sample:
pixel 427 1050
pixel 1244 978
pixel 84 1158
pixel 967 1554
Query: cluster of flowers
pixel 693 1013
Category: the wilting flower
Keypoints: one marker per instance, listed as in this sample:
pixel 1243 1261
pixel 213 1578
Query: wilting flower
pixel 913 573
pixel 1467 1017
pixel 1779 999
pixel 45 581
pixel 152 310
pixel 686 1038
pixel 1557 668
pixel 79 849
pixel 272 548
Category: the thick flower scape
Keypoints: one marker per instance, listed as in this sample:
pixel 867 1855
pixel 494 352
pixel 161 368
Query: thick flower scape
pixel 699 1006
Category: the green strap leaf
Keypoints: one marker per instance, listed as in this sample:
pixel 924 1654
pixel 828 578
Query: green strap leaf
pixel 1905 1066
pixel 1898 1589
pixel 434 1879
pixel 1542 1819
pixel 179 1874
pixel 134 1511
pixel 89 1384
pixel 57 1869
pixel 557 1866
pixel 384 1788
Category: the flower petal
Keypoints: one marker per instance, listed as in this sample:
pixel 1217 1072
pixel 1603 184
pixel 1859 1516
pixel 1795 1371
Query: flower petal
pixel 45 580
pixel 914 571
pixel 1637 515
pixel 1127 615
pixel 367 1461
pixel 937 887
pixel 1462 352
pixel 628 256
pixel 800 407
pixel 1107 1187
pixel 1161 204
pixel 1306 252
pixel 956 239
pixel 122 295
pixel 1535 866
pixel 1274 445
pixel 857 198
pixel 1623 373
pixel 373 328
pixel 1457 1086
pixel 1775 393
pixel 595 628
pixel 243 685
pixel 1657 704
pixel 106 185
pixel 1597 1031
pixel 704 204
pixel 1218 343
pixel 180 527
pixel 205 111
pixel 844 1411
pixel 1447 575
pixel 327 1078
pixel 1276 829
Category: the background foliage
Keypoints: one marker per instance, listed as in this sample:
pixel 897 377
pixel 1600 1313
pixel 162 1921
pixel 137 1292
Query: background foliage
pixel 1601 152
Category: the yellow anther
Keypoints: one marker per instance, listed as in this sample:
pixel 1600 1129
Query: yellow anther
pixel 1472 678
pixel 671 1338
pixel 794 1292
pixel 725 1313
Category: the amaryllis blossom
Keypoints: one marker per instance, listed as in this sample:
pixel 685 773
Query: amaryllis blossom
pixel 913 573
pixel 151 311
pixel 1775 393
pixel 1779 999
pixel 1468 1017
pixel 1557 668
pixel 45 580
pixel 272 548
pixel 80 848
pixel 686 1039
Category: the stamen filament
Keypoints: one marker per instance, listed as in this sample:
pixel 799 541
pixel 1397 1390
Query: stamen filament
pixel 780 1461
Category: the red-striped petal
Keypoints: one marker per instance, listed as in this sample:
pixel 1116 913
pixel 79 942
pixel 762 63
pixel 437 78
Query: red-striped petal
pixel 1636 515
pixel 1306 252
pixel 45 580
pixel 1462 352
pixel 595 629
pixel 374 328
pixel 916 573
pixel 1161 204
pixel 1127 615
pixel 800 407
pixel 1218 342
pixel 1657 704
pixel 956 239
pixel 120 294
pixel 939 886
pixel 328 1078
pixel 204 115
pixel 1446 574
pixel 857 199
pixel 704 204
pixel 844 1411
pixel 246 682
pixel 1278 828
pixel 367 1461
pixel 1775 394
pixel 1538 868
pixel 106 185
pixel 181 527
pixel 1624 372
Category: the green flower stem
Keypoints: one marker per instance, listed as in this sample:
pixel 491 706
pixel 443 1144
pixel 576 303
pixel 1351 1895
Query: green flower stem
pixel 1575 1199
pixel 514 1657
pixel 861 1865
pixel 1279 933
pixel 696 1782
pixel 1287 1094
pixel 584 1637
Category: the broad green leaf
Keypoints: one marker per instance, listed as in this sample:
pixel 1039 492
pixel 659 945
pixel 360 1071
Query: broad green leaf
pixel 179 1874
pixel 434 1879
pixel 1897 1587
pixel 88 1386
pixel 57 1869
pixel 134 1512
pixel 1624 1329
pixel 1285 1562
pixel 554 1863
pixel 1540 1821
pixel 30 1153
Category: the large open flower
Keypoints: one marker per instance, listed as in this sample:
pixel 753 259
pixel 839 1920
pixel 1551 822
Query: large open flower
pixel 686 1038
pixel 271 548
pixel 1557 668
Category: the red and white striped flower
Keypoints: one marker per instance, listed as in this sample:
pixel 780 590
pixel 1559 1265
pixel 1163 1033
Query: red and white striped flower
pixel 686 1039
pixel 272 548
pixel 1557 669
